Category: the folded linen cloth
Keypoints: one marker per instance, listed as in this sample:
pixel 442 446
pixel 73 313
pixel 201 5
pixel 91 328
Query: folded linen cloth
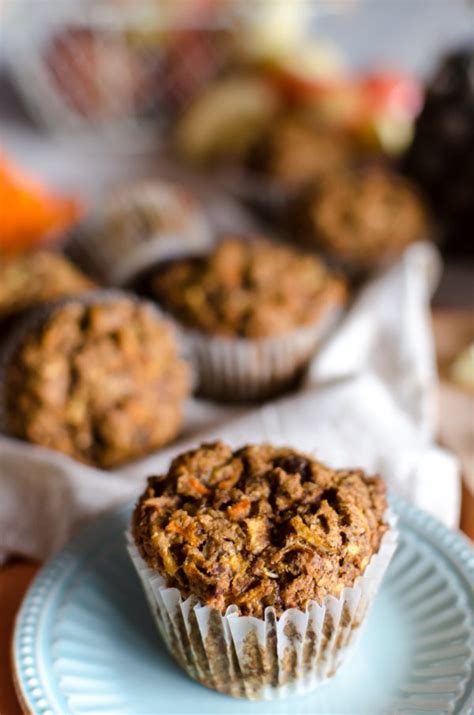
pixel 368 401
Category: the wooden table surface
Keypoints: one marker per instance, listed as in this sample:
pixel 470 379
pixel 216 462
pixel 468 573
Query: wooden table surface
pixel 453 329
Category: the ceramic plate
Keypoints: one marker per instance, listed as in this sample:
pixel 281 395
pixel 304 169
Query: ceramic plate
pixel 85 643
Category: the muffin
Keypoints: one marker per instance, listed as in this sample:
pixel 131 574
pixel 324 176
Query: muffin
pixel 137 225
pixel 35 278
pixel 361 218
pixel 267 533
pixel 252 313
pixel 99 380
pixel 298 149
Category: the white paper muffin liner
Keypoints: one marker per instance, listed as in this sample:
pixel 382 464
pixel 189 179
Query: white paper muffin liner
pixel 239 369
pixel 29 321
pixel 116 258
pixel 263 658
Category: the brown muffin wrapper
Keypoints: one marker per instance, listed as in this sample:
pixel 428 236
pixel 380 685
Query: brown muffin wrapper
pixel 30 321
pixel 119 262
pixel 240 369
pixel 264 658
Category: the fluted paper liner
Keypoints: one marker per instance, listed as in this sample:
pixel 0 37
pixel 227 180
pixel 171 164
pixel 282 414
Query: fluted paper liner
pixel 239 369
pixel 263 658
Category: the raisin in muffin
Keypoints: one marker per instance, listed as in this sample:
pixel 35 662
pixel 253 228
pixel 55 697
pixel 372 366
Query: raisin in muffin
pixel 264 532
pixel 361 217
pixel 99 380
pixel 38 277
pixel 252 313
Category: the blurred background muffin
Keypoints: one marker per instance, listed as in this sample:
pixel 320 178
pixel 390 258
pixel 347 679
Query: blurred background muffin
pixel 252 312
pixel 361 217
pixel 137 224
pixel 99 380
pixel 37 277
pixel 298 148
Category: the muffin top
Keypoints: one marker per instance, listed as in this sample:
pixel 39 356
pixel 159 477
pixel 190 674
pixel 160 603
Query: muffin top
pixel 38 277
pixel 298 149
pixel 141 211
pixel 101 382
pixel 260 526
pixel 363 215
pixel 249 289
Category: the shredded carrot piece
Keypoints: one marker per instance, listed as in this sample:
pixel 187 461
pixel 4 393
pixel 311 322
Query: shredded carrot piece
pixel 239 510
pixel 198 486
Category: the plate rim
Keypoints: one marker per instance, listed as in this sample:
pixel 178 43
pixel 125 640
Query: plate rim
pixel 454 545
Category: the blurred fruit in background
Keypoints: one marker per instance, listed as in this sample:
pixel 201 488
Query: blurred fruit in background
pixel 441 158
pixel 103 63
pixel 30 214
pixel 96 74
pixel 226 119
pixel 100 63
pixel 295 129
pixel 267 30
pixel 193 57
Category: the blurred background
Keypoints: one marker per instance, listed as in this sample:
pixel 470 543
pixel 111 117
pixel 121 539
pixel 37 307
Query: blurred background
pixel 111 84
pixel 253 104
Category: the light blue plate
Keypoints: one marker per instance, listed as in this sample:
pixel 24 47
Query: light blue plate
pixel 85 642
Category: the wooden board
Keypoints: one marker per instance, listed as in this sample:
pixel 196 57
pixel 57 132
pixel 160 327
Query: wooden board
pixel 454 331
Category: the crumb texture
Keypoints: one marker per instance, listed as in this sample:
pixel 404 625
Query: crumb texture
pixel 101 382
pixel 260 526
pixel 298 150
pixel 248 288
pixel 362 216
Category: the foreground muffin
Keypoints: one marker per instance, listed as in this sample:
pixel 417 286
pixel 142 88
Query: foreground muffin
pixel 260 531
pixel 100 381
pixel 361 217
pixel 35 278
pixel 253 312
pixel 138 224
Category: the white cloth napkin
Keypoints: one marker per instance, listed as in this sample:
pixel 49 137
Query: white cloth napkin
pixel 368 402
